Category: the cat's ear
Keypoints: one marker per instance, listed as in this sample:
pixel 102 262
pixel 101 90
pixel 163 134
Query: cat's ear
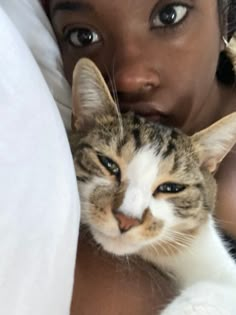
pixel 90 95
pixel 215 142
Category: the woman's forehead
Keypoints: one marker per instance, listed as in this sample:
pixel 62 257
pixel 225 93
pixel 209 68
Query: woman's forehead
pixel 106 10
pixel 76 4
pixel 121 5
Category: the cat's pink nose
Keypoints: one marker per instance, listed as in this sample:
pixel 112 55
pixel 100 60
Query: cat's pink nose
pixel 126 223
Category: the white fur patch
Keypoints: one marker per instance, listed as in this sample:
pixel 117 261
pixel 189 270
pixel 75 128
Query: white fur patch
pixel 163 210
pixel 142 172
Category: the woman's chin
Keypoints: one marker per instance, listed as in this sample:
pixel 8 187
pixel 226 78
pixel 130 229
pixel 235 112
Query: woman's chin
pixel 115 245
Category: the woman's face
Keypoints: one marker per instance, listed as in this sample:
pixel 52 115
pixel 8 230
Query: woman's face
pixel 160 55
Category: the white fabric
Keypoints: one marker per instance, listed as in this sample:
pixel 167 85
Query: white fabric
pixel 33 24
pixel 39 206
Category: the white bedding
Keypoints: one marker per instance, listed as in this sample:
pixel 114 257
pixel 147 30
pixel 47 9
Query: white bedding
pixel 39 205
pixel 32 22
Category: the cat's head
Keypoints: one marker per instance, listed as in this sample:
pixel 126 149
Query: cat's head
pixel 141 183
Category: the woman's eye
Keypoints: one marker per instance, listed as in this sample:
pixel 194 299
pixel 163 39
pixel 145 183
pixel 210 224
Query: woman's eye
pixel 170 188
pixel 110 165
pixel 82 37
pixel 170 15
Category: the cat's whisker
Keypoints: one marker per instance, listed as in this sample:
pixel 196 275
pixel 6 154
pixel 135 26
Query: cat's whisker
pixel 172 247
pixel 155 249
pixel 169 251
pixel 114 82
pixel 182 242
pixel 178 238
pixel 183 235
pixel 127 258
pixel 163 249
pixel 217 220
pixel 111 83
pixel 185 246
pixel 115 96
pixel 117 100
pixel 173 243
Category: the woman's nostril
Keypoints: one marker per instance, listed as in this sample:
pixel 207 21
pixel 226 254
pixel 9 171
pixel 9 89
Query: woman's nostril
pixel 136 86
pixel 136 78
pixel 147 87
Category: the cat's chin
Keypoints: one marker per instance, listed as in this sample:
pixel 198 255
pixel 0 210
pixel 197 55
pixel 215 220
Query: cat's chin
pixel 115 245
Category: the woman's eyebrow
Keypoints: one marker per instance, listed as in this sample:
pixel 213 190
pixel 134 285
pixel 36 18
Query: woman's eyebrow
pixel 72 6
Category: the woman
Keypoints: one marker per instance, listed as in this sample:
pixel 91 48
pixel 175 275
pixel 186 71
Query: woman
pixel 167 61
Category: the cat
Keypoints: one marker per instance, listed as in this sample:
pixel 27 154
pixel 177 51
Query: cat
pixel 149 189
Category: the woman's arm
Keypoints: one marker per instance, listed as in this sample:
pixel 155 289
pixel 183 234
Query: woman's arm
pixel 105 285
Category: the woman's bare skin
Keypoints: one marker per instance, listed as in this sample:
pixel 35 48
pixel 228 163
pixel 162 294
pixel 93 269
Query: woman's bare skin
pixel 105 285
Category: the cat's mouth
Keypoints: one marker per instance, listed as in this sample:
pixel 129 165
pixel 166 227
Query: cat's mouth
pixel 116 245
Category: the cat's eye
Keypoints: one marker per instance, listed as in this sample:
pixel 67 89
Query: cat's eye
pixel 170 15
pixel 170 188
pixel 110 165
pixel 82 36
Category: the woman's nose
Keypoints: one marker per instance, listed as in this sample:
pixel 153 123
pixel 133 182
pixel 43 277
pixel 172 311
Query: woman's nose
pixel 136 78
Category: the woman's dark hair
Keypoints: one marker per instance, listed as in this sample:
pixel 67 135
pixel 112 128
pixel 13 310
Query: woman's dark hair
pixel 227 17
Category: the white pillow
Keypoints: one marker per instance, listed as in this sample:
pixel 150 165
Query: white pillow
pixel 39 206
pixel 32 22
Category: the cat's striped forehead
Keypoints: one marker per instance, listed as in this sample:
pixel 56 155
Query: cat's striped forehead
pixel 139 134
pixel 137 147
pixel 145 156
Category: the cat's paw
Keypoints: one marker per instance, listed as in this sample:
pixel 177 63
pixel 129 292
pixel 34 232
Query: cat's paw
pixel 204 299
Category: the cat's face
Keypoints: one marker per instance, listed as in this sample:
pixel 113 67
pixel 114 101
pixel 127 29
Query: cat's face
pixel 141 184
pixel 140 187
